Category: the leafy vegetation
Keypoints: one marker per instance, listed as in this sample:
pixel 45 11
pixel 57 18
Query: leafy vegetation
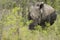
pixel 14 22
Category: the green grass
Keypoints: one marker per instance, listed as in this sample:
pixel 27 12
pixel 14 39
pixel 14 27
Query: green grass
pixel 13 28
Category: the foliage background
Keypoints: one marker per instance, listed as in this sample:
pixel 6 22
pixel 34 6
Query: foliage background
pixel 14 22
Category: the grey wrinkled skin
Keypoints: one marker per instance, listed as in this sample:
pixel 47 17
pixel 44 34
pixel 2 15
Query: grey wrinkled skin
pixel 41 13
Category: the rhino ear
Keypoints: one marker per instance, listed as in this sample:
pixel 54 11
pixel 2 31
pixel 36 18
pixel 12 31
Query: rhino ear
pixel 41 5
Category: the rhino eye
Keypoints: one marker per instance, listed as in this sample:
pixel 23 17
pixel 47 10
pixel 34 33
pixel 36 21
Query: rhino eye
pixel 37 4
